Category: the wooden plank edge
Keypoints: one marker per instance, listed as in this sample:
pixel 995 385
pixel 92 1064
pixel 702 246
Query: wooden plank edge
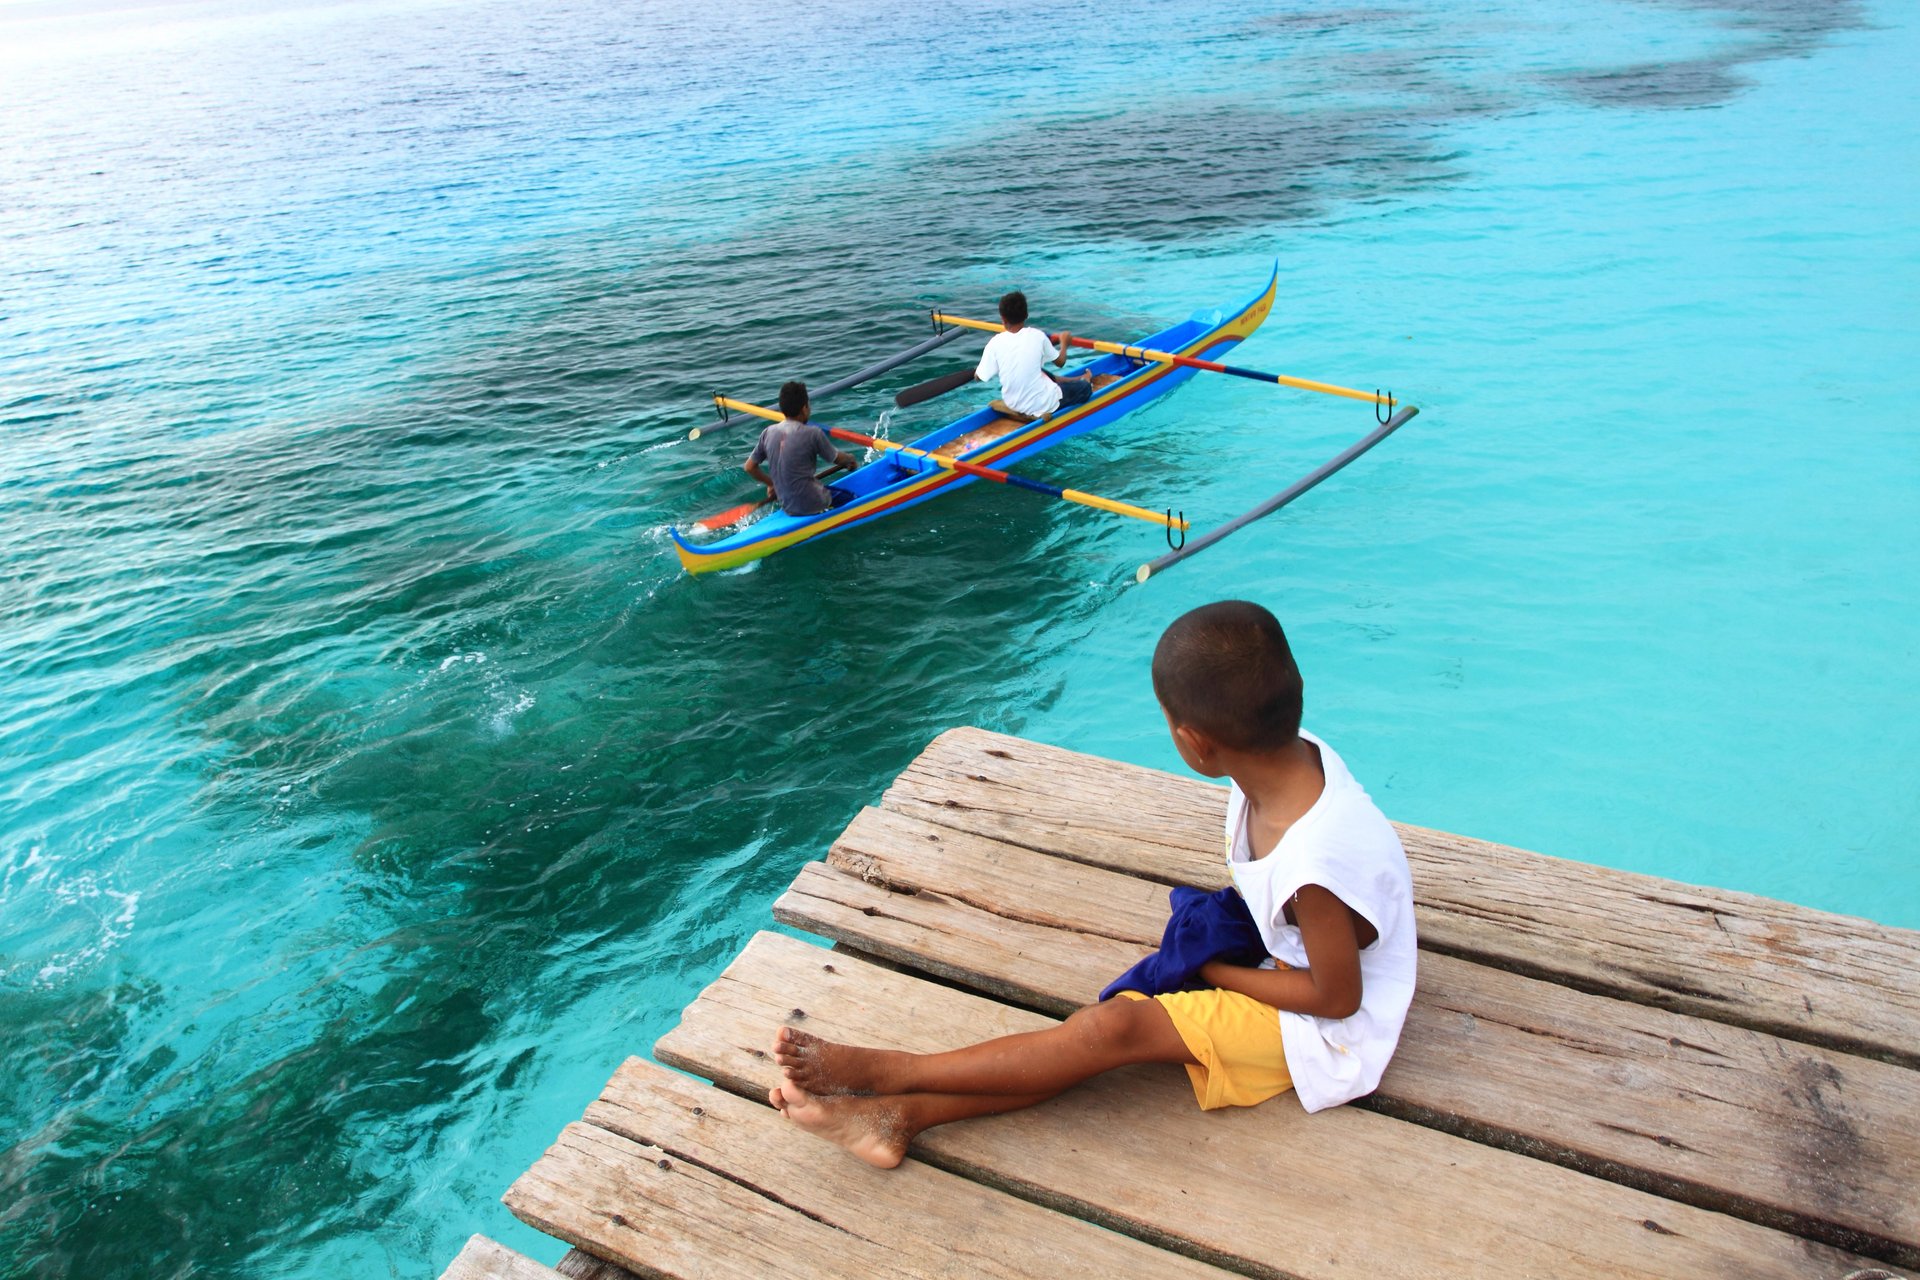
pixel 1111 1220
pixel 1656 991
pixel 578 1264
pixel 790 909
pixel 483 1258
pixel 915 808
pixel 667 1218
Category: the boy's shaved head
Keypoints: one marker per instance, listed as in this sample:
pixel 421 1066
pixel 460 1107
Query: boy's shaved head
pixel 793 398
pixel 1225 670
pixel 1013 307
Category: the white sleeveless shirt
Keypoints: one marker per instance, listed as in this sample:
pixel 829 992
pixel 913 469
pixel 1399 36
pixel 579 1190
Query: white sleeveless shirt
pixel 1019 360
pixel 1345 845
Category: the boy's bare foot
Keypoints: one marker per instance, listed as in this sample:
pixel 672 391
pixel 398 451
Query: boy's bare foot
pixel 823 1067
pixel 870 1128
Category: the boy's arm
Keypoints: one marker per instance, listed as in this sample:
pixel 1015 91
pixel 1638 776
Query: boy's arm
pixel 754 459
pixel 753 469
pixel 989 367
pixel 1329 987
pixel 827 451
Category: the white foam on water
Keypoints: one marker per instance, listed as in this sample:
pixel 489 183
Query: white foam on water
pixel 501 721
pixel 115 911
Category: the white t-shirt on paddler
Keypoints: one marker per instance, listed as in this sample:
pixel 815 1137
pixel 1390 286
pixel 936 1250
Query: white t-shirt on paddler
pixel 1345 845
pixel 1017 359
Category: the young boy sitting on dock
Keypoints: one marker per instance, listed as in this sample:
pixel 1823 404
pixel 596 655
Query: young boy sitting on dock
pixel 1321 875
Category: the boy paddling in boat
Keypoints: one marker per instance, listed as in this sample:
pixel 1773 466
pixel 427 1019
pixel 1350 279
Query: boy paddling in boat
pixel 1321 891
pixel 1018 357
pixel 791 446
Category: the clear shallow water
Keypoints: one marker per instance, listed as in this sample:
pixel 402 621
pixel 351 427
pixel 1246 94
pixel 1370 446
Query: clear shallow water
pixel 371 782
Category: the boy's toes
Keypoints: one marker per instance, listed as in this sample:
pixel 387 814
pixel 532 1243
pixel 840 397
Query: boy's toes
pixel 790 1046
pixel 778 1099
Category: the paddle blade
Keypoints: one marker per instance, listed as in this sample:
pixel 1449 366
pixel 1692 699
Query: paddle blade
pixel 730 517
pixel 933 387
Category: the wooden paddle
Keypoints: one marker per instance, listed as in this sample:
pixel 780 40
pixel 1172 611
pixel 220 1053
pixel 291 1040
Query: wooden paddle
pixel 730 517
pixel 1165 519
pixel 933 387
pixel 1190 362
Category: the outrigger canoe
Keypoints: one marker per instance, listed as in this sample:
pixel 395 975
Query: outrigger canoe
pixel 893 482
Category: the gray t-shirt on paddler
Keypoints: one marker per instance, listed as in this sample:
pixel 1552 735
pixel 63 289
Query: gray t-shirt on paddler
pixel 792 447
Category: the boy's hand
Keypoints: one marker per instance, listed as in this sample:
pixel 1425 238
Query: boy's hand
pixel 1329 987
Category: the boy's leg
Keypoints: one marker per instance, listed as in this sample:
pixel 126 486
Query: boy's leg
pixel 878 1129
pixel 1033 1064
pixel 1077 389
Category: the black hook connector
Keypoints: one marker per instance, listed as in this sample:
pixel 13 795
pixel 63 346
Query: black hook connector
pixel 719 410
pixel 1181 525
pixel 933 318
pixel 1382 406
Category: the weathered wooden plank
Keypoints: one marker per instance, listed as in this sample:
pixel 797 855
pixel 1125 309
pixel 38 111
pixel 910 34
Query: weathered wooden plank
pixel 908 853
pixel 1123 817
pixel 1731 957
pixel 484 1259
pixel 1795 1136
pixel 578 1264
pixel 1268 1191
pixel 1808 1139
pixel 949 1224
pixel 1027 964
pixel 716 1185
pixel 656 1216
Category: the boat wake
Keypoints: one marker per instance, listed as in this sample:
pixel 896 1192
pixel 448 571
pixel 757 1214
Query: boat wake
pixel 881 426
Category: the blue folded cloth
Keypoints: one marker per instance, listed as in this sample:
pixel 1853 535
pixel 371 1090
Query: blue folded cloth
pixel 1204 926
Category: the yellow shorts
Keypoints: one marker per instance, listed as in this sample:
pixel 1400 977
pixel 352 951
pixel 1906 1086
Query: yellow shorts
pixel 1236 1040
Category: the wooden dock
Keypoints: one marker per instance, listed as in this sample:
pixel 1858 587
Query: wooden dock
pixel 1604 1074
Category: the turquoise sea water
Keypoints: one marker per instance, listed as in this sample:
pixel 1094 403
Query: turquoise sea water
pixel 371 780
